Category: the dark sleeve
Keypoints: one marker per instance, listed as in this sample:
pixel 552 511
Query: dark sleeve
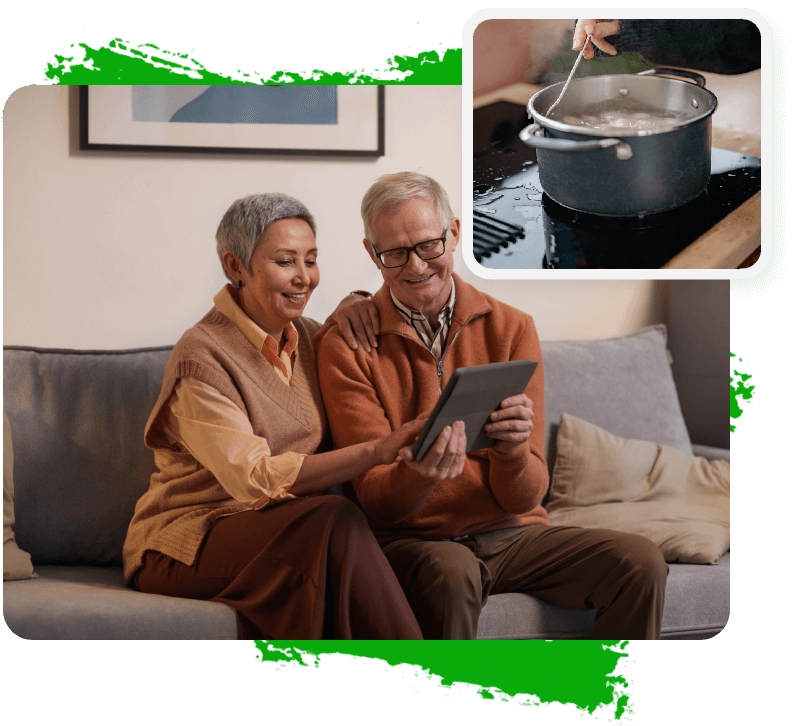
pixel 714 46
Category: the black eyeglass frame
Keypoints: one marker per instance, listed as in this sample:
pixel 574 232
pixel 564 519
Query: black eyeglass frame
pixel 415 249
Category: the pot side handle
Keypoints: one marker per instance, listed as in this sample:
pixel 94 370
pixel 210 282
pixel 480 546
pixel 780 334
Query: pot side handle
pixel 696 77
pixel 533 136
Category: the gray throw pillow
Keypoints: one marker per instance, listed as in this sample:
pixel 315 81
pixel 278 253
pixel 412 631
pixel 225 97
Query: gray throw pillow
pixel 624 385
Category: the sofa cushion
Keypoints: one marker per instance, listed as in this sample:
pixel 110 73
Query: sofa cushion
pixel 516 616
pixel 697 600
pixel 92 603
pixel 77 418
pixel 16 563
pixel 624 385
pixel 679 502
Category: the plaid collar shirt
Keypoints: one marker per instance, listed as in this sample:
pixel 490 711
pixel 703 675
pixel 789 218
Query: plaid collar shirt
pixel 434 341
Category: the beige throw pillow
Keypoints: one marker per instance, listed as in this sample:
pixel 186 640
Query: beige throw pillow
pixel 679 502
pixel 16 563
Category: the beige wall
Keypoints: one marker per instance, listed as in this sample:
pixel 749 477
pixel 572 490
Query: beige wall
pixel 507 51
pixel 117 250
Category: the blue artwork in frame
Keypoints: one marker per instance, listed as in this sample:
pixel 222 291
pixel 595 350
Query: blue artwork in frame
pixel 310 120
pixel 236 104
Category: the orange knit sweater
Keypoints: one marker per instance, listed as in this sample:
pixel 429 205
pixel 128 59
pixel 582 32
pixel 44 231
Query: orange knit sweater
pixel 367 395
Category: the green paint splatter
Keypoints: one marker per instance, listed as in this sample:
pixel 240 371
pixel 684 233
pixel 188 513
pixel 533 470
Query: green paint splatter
pixel 740 391
pixel 577 672
pixel 145 63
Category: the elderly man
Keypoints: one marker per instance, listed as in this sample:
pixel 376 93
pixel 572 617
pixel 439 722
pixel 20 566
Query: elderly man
pixel 457 526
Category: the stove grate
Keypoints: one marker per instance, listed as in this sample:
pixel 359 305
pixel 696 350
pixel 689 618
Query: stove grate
pixel 490 234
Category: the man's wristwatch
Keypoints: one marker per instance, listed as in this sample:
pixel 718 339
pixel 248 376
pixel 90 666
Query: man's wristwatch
pixel 363 293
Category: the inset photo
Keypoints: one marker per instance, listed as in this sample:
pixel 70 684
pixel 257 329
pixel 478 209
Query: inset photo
pixel 616 144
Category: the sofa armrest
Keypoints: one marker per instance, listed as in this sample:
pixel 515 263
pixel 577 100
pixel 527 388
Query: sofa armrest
pixel 711 452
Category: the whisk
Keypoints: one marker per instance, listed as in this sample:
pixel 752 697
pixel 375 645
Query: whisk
pixel 570 75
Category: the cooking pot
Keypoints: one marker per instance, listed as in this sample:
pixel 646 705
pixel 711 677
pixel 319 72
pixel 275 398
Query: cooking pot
pixel 624 171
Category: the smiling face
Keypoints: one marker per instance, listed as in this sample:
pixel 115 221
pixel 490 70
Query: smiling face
pixel 423 285
pixel 283 275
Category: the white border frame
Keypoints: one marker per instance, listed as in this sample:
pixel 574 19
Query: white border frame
pixel 767 169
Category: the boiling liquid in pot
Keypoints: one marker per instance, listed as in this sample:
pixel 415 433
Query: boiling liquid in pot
pixel 622 114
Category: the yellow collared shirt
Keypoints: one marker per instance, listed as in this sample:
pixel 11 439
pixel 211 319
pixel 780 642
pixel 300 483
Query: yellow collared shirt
pixel 200 420
pixel 226 303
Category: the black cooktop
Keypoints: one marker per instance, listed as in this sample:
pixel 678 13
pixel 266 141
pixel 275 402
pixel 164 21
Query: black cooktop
pixel 517 226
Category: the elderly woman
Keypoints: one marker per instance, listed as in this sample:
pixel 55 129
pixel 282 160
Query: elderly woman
pixel 239 439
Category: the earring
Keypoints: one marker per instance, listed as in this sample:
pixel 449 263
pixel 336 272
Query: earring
pixel 239 284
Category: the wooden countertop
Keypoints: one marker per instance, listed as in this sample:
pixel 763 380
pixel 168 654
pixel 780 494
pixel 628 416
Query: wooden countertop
pixel 733 242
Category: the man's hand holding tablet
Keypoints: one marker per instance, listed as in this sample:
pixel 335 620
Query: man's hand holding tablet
pixel 445 458
pixel 481 406
pixel 511 423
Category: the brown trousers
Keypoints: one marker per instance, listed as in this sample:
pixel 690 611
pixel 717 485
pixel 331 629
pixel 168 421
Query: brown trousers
pixel 623 576
pixel 300 569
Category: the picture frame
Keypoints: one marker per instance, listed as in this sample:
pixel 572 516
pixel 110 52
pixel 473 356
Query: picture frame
pixel 289 120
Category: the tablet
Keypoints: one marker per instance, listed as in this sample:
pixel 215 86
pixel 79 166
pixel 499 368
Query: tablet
pixel 472 395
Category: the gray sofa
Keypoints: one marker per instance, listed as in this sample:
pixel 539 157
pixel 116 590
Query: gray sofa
pixel 77 418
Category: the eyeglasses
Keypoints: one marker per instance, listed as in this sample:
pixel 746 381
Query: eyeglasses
pixel 425 251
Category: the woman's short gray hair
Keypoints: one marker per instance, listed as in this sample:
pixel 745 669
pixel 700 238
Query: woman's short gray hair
pixel 246 220
pixel 392 190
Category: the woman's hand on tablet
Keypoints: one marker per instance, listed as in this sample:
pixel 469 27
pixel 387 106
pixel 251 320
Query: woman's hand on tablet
pixel 388 447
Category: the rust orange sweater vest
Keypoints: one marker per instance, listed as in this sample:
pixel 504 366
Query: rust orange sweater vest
pixel 184 498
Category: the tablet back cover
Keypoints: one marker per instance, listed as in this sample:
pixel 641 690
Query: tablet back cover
pixel 472 395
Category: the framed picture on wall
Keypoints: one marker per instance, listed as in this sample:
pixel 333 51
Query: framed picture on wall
pixel 234 119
